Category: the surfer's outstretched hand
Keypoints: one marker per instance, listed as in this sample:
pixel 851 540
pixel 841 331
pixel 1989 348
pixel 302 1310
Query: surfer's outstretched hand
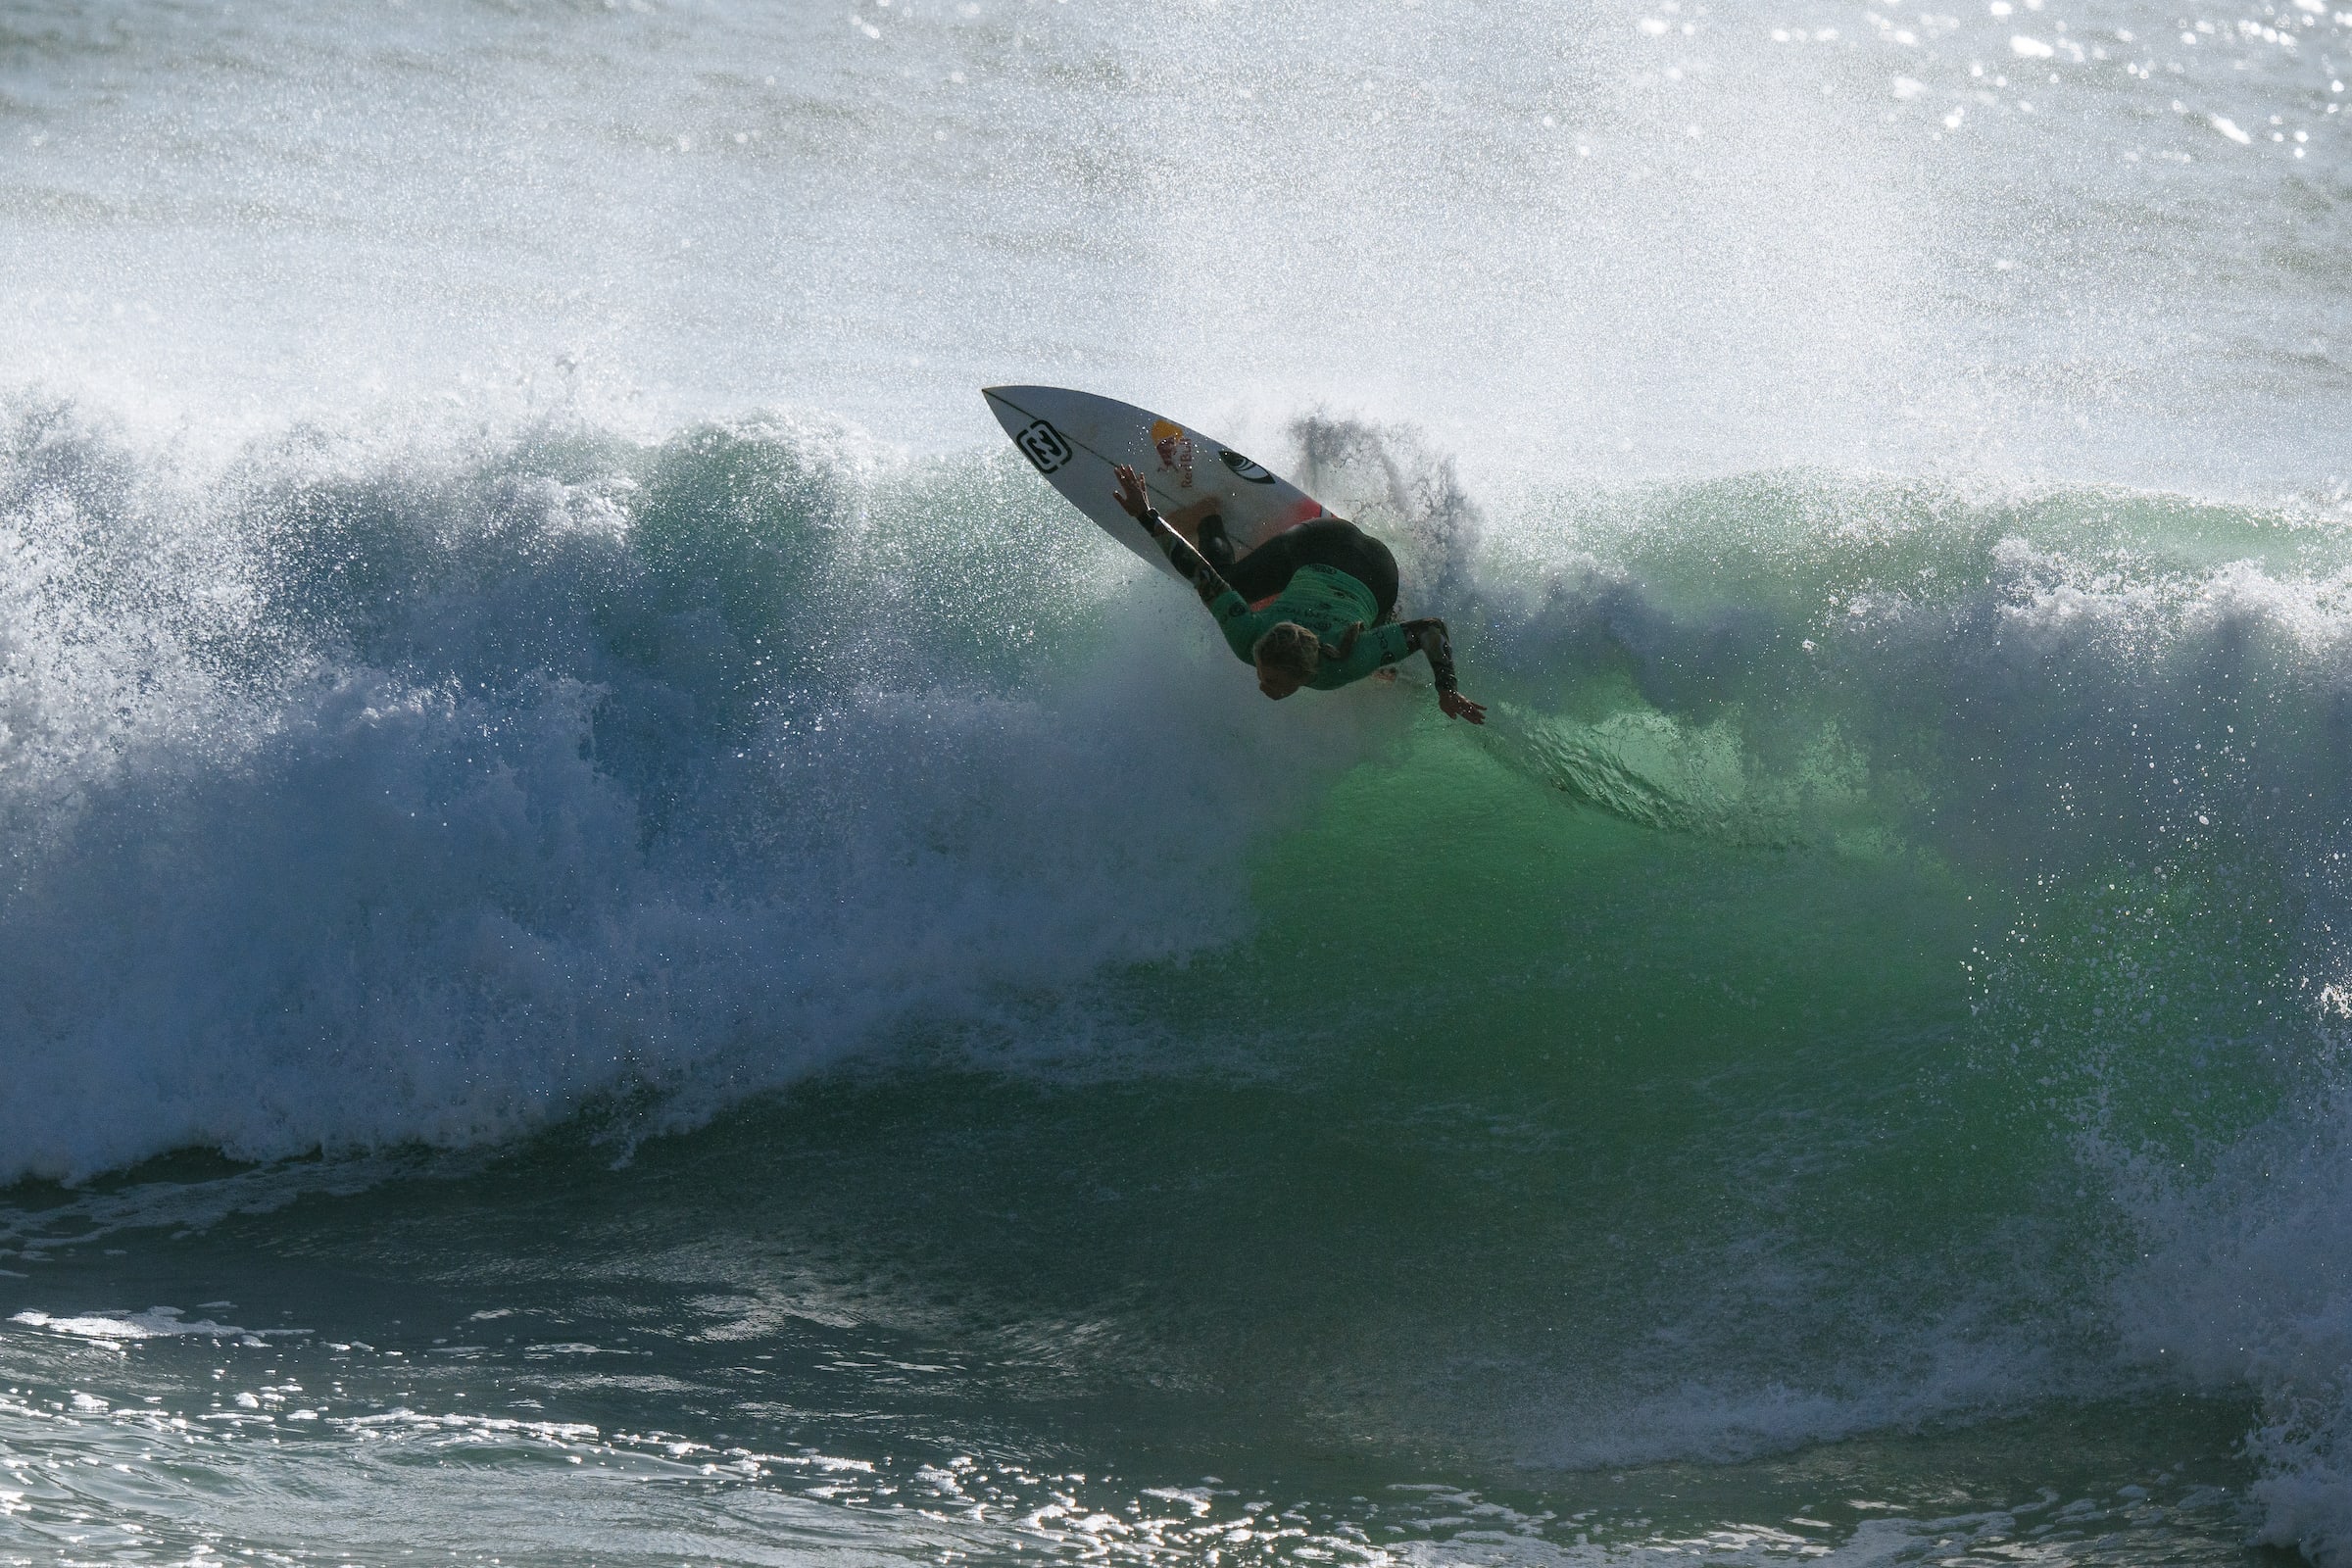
pixel 1132 499
pixel 1457 706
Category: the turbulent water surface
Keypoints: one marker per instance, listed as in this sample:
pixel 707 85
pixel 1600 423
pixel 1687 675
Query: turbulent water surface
pixel 622 942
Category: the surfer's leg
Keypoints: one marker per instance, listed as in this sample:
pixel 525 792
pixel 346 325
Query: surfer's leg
pixel 1266 570
pixel 1335 542
pixel 1215 543
pixel 1375 566
pixel 1193 519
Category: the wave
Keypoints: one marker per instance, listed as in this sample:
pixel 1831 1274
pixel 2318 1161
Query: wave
pixel 355 796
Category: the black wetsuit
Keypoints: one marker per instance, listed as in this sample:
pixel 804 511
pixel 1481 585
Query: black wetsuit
pixel 1325 542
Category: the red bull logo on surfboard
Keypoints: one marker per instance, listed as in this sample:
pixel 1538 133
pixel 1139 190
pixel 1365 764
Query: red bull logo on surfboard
pixel 1175 449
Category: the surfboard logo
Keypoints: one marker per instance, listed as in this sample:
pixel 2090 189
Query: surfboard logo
pixel 1175 449
pixel 1044 446
pixel 1243 468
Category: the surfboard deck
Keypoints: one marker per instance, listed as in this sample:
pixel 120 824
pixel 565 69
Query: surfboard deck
pixel 1076 438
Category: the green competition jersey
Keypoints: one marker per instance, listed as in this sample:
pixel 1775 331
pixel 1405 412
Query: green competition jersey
pixel 1326 601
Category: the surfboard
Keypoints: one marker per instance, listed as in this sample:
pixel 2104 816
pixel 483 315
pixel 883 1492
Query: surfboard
pixel 1076 438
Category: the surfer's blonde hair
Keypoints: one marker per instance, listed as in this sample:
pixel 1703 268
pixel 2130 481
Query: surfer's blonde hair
pixel 1289 648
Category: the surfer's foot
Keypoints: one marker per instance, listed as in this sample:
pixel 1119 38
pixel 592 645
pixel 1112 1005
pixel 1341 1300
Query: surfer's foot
pixel 1214 542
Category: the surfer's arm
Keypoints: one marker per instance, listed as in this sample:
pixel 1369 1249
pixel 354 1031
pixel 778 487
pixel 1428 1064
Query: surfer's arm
pixel 1429 636
pixel 1189 563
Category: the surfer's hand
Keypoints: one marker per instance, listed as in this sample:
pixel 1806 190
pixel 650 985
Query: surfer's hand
pixel 1457 706
pixel 1131 497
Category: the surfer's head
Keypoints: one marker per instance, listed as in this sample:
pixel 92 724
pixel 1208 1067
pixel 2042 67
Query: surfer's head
pixel 1287 656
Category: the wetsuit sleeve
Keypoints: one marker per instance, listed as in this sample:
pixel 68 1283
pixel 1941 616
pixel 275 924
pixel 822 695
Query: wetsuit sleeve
pixel 1189 563
pixel 1233 617
pixel 1429 637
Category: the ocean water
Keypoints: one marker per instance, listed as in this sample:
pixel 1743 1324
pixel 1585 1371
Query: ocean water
pixel 622 942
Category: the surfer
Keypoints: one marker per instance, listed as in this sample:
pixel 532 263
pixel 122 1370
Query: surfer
pixel 1335 588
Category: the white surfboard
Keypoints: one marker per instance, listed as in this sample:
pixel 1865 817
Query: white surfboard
pixel 1076 438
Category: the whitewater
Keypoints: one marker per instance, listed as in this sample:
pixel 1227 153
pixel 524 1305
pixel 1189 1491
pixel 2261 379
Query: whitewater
pixel 621 941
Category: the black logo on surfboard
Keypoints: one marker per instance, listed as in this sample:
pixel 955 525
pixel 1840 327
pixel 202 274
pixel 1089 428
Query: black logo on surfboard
pixel 1243 468
pixel 1045 446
